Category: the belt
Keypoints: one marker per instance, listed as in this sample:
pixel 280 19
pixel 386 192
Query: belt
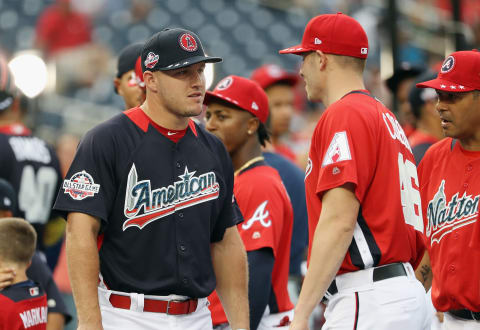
pixel 171 307
pixel 465 314
pixel 379 273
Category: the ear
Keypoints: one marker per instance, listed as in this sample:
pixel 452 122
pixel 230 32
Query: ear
pixel 150 81
pixel 116 84
pixel 252 125
pixel 322 59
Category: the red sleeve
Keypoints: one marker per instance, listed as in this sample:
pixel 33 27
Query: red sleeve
pixel 262 209
pixel 346 145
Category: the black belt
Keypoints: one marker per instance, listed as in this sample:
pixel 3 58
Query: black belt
pixel 465 314
pixel 379 273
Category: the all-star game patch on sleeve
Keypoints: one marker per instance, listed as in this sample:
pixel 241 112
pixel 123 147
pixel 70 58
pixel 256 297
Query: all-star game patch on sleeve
pixel 89 186
pixel 345 150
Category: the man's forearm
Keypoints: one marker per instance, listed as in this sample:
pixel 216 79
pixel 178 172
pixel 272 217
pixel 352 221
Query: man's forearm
pixel 83 270
pixel 332 237
pixel 330 244
pixel 230 265
pixel 423 273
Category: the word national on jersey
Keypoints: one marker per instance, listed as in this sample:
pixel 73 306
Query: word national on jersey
pixel 158 203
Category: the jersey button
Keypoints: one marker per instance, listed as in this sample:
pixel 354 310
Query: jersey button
pixel 180 214
pixel 178 165
pixel 469 168
pixel 185 280
pixel 183 248
pixel 465 185
pixel 451 268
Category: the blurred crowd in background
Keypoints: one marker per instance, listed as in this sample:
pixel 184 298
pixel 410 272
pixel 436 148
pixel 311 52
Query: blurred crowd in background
pixel 64 53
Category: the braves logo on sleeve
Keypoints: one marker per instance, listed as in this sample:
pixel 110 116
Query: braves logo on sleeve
pixel 80 186
pixel 261 215
pixel 157 203
pixel 446 216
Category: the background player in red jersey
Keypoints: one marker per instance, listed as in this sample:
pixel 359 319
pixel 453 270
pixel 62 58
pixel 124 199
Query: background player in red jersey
pixel 237 110
pixel 23 304
pixel 126 82
pixel 279 86
pixel 362 203
pixel 428 129
pixel 450 189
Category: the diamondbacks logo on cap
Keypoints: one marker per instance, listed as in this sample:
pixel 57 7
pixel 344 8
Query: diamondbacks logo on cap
pixel 188 42
pixel 448 64
pixel 151 60
pixel 224 84
pixel 80 186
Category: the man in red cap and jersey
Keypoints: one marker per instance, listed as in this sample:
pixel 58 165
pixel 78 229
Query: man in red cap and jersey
pixel 362 193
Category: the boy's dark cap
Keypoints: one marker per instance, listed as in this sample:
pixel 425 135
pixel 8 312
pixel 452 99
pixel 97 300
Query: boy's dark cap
pixel 171 49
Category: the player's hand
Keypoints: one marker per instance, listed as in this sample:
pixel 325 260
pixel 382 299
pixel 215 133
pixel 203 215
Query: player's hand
pixel 7 275
pixel 299 324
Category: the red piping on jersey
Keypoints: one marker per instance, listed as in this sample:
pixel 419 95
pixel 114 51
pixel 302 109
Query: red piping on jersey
pixel 15 129
pixel 357 307
pixel 143 220
pixel 140 118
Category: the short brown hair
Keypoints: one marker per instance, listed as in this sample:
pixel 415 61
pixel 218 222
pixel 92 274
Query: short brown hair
pixel 357 64
pixel 18 240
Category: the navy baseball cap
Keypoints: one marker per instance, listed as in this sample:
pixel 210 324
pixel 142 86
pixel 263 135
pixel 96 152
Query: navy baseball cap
pixel 171 49
pixel 8 199
pixel 8 90
pixel 128 57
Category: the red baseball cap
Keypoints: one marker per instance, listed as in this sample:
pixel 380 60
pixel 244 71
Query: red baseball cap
pixel 243 93
pixel 337 34
pixel 139 73
pixel 459 73
pixel 270 74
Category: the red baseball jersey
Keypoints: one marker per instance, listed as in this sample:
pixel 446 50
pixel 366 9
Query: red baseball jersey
pixel 358 140
pixel 450 189
pixel 268 215
pixel 23 306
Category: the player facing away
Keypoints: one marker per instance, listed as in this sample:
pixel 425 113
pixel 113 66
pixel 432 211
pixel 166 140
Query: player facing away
pixel 155 191
pixel 27 162
pixel 237 110
pixel 23 304
pixel 126 82
pixel 362 192
pixel 449 175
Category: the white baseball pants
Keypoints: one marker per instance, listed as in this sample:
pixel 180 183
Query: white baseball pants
pixel 136 319
pixel 397 303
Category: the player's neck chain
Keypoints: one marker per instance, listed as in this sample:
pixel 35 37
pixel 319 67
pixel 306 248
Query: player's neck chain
pixel 247 164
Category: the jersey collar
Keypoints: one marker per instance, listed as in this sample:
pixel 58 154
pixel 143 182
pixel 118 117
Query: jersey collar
pixel 15 129
pixel 140 118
